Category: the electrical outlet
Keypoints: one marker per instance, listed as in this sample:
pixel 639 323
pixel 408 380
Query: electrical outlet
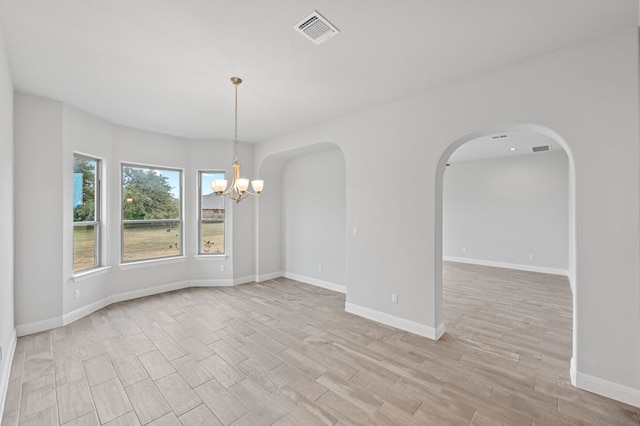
pixel 530 257
pixel 76 294
pixel 221 268
pixel 464 249
pixel 354 230
pixel 319 267
pixel 394 298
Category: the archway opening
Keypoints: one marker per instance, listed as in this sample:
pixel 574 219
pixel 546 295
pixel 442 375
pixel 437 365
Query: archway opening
pixel 302 221
pixel 505 241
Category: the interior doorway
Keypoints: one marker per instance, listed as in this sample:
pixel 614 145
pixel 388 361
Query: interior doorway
pixel 514 231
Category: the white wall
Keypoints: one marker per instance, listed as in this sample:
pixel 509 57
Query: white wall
pixel 585 93
pixel 244 224
pixel 45 283
pixel 38 210
pixel 499 211
pixel 314 215
pixel 269 242
pixel 7 330
pixel 588 94
pixel 209 155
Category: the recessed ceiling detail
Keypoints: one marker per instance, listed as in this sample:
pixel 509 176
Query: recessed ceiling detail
pixel 316 28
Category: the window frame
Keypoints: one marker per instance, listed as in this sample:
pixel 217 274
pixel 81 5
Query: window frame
pixel 97 218
pixel 179 220
pixel 200 220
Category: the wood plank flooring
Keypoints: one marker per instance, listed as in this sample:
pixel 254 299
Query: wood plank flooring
pixel 285 353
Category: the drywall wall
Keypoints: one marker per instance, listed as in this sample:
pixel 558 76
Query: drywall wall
pixel 269 242
pixel 314 217
pixel 38 210
pixel 208 155
pixel 46 296
pixel 394 154
pixel 503 210
pixel 7 329
pixel 244 225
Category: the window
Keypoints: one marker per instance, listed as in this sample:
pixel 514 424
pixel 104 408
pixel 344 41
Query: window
pixel 211 217
pixel 86 212
pixel 151 213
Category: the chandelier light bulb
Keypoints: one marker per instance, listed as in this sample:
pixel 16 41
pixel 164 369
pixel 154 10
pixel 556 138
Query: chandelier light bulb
pixel 257 186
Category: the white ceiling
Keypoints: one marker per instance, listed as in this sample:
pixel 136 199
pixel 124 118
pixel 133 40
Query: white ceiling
pixel 164 65
pixel 514 144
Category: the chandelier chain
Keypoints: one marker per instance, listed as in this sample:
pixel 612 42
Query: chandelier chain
pixel 235 139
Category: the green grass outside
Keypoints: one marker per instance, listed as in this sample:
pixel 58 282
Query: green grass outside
pixel 147 241
pixel 83 248
pixel 150 241
pixel 213 232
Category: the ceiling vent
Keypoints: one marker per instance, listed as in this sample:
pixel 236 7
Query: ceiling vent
pixel 316 28
pixel 540 148
pixel 499 137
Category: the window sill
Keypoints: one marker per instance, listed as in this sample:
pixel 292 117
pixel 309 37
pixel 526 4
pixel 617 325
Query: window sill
pixel 85 275
pixel 210 256
pixel 151 262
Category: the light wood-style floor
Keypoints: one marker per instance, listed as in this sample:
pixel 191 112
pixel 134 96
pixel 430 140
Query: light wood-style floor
pixel 285 353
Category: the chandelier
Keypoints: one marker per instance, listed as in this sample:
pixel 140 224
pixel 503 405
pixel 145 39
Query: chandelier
pixel 239 188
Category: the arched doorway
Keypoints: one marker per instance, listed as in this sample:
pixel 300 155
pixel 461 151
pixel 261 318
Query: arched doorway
pixel 497 132
pixel 302 220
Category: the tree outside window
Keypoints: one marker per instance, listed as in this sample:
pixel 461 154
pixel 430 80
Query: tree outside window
pixel 86 212
pixel 151 213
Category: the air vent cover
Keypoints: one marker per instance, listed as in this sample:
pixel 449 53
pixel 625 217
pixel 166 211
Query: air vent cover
pixel 316 28
pixel 500 137
pixel 540 148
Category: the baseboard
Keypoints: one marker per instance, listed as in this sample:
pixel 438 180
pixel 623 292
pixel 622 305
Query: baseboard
pixel 316 282
pixel 609 389
pixel 85 310
pixel 7 362
pixel 38 326
pixel 269 276
pixel 506 265
pixel 572 371
pixel 68 318
pixel 244 280
pixel 397 322
pixel 211 283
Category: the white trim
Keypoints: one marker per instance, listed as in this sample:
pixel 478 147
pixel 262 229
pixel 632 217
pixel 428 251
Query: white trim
pixel 269 276
pixel 38 326
pixel 397 322
pixel 439 331
pixel 151 262
pixel 212 283
pixel 213 256
pixel 120 297
pixel 506 265
pixel 244 280
pixel 84 275
pixel 609 389
pixel 83 311
pixel 318 283
pixel 149 291
pixel 572 371
pixel 6 371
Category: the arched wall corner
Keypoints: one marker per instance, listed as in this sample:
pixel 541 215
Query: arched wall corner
pixel 270 215
pixel 439 182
